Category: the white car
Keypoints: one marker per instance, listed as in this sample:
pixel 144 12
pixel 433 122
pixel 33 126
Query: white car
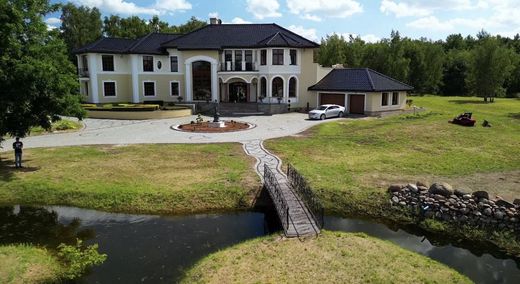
pixel 326 111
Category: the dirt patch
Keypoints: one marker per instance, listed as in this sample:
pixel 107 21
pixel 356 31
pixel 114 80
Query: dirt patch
pixel 503 184
pixel 207 128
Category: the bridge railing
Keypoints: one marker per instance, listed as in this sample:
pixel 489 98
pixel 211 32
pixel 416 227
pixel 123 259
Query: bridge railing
pixel 304 191
pixel 272 185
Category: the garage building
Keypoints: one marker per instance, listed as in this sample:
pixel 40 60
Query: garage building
pixel 361 91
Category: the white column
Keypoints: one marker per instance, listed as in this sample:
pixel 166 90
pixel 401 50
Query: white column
pixel 269 92
pixel 214 82
pixel 188 87
pixel 134 62
pixel 286 90
pixel 93 69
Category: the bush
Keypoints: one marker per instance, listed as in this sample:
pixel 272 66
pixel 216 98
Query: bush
pixel 77 258
pixel 64 125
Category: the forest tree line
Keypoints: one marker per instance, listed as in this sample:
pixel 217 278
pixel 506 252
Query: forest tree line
pixel 485 66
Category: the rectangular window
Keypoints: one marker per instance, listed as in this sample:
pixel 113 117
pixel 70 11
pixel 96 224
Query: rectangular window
pixel 148 63
pixel 107 61
pixel 395 98
pixel 293 56
pixel 85 87
pixel 238 60
pixel 263 57
pixel 384 99
pixel 249 60
pixel 174 64
pixel 174 86
pixel 277 56
pixel 109 89
pixel 84 62
pixel 149 89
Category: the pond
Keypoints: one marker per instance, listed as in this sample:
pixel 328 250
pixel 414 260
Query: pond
pixel 157 249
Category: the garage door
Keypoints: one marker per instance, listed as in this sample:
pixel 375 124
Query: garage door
pixel 356 104
pixel 336 99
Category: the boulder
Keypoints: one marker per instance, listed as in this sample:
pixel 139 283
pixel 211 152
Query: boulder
pixel 412 187
pixel 488 211
pixel 459 192
pixel 442 188
pixel 504 203
pixel 422 188
pixel 516 201
pixel 395 199
pixel 395 188
pixel 466 196
pixel 499 215
pixel 481 194
pixel 420 183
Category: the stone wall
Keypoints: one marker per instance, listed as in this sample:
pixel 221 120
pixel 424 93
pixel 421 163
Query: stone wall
pixel 439 201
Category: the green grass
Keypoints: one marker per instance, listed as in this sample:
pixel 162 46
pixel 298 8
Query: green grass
pixel 28 264
pixel 137 179
pixel 60 125
pixel 350 163
pixel 333 257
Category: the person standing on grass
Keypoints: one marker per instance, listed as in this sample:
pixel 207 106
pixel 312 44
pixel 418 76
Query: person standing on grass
pixel 18 146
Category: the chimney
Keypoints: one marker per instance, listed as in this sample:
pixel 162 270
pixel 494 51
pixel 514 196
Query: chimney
pixel 215 21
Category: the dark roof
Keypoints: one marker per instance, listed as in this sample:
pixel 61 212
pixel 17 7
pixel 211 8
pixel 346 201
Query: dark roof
pixel 148 44
pixel 239 36
pixel 358 80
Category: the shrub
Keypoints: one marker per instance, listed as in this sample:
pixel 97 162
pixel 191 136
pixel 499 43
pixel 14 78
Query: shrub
pixel 409 102
pixel 64 125
pixel 77 258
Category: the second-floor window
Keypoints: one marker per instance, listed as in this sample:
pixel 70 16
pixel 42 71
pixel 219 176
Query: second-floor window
pixel 277 56
pixel 107 61
pixel 263 57
pixel 249 60
pixel 84 62
pixel 293 56
pixel 148 63
pixel 238 60
pixel 174 64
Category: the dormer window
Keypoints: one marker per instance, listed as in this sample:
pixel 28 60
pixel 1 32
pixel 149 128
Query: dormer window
pixel 148 63
pixel 107 61
pixel 277 56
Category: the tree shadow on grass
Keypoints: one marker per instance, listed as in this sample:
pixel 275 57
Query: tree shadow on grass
pixel 462 102
pixel 7 169
pixel 514 115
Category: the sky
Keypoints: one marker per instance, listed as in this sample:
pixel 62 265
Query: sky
pixel 315 19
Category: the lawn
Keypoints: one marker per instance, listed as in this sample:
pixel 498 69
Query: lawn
pixel 333 257
pixel 157 179
pixel 355 160
pixel 28 264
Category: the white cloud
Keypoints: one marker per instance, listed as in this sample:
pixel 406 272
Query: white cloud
pixel 213 15
pixel 409 8
pixel 370 38
pixel 335 8
pixel 264 8
pixel 306 33
pixel 238 20
pixel 53 21
pixel 430 23
pixel 402 9
pixel 126 7
pixel 311 17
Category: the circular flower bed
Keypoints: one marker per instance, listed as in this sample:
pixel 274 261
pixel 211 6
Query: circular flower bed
pixel 207 127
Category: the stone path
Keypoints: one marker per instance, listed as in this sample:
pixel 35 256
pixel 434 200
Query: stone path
pixel 302 224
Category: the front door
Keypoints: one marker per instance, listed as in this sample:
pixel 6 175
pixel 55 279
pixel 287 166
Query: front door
pixel 238 92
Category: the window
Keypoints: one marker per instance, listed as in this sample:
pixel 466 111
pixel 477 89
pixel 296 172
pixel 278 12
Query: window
pixel 277 87
pixel 159 65
pixel 249 60
pixel 174 88
pixel 174 64
pixel 238 60
pixel 292 87
pixel 85 88
pixel 84 62
pixel 293 56
pixel 201 74
pixel 109 89
pixel 148 63
pixel 228 58
pixel 395 98
pixel 108 62
pixel 263 87
pixel 149 89
pixel 277 56
pixel 384 99
pixel 263 57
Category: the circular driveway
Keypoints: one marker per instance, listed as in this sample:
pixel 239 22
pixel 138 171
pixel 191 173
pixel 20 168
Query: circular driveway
pixel 106 131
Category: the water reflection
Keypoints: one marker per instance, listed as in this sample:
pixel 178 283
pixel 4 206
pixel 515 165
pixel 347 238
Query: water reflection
pixel 480 267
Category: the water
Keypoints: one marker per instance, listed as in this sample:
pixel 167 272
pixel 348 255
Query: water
pixel 157 249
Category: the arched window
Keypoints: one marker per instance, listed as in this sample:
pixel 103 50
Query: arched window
pixel 263 87
pixel 292 87
pixel 277 90
pixel 201 74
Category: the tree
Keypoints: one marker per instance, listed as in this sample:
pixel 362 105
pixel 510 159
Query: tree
pixel 131 27
pixel 192 24
pixel 80 26
pixel 37 81
pixel 332 50
pixel 455 72
pixel 490 64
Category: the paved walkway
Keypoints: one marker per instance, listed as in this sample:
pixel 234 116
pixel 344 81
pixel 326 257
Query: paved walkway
pixel 105 131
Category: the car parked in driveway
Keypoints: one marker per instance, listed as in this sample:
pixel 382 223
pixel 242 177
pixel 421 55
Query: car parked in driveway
pixel 326 111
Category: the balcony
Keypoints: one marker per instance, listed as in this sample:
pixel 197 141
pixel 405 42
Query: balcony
pixel 83 72
pixel 242 66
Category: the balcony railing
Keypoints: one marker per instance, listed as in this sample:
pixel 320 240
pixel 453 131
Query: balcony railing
pixel 228 66
pixel 83 72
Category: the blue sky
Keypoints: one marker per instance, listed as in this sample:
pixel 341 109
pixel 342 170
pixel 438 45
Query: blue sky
pixel 315 19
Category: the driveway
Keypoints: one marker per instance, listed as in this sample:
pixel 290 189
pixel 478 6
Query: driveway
pixel 105 131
